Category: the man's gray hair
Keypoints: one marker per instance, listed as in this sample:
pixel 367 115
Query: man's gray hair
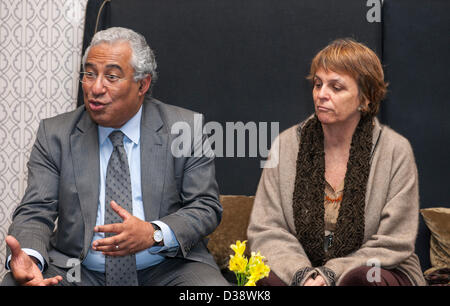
pixel 142 57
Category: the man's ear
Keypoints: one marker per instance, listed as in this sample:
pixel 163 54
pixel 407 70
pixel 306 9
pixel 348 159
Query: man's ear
pixel 145 85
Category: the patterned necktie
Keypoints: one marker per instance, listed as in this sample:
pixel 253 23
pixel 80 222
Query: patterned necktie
pixel 119 270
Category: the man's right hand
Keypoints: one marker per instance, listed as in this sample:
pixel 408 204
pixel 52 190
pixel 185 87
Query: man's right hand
pixel 24 269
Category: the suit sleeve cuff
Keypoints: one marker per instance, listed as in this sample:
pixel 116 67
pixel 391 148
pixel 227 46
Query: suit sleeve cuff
pixel 170 242
pixel 302 275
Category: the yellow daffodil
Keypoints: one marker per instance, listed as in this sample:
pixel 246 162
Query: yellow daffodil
pixel 248 271
pixel 257 268
pixel 256 259
pixel 238 263
pixel 239 247
pixel 259 271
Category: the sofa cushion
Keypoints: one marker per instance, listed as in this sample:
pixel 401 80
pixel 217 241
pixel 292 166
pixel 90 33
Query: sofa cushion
pixel 438 221
pixel 235 219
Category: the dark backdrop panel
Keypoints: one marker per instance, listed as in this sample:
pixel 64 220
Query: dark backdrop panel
pixel 238 60
pixel 416 46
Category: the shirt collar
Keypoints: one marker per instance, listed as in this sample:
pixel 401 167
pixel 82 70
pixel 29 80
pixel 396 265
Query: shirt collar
pixel 131 129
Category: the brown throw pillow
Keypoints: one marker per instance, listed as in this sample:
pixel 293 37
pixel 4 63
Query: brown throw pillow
pixel 235 219
pixel 438 221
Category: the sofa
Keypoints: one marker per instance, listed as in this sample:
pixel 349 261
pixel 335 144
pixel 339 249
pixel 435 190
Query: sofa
pixel 235 220
pixel 246 61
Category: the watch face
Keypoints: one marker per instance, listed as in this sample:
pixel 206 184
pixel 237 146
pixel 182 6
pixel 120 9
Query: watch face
pixel 157 236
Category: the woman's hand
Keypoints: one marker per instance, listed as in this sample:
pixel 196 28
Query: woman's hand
pixel 318 281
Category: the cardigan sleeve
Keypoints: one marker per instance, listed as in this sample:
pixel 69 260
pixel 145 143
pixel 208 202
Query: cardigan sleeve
pixel 393 242
pixel 268 230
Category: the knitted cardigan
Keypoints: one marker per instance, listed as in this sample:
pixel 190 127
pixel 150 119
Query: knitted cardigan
pixel 391 212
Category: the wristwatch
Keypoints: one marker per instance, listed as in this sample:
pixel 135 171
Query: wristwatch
pixel 157 235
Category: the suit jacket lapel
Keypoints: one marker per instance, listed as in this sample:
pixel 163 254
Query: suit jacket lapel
pixel 154 139
pixel 86 163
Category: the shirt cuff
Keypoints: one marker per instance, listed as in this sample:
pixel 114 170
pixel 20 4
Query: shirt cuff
pixel 30 252
pixel 170 242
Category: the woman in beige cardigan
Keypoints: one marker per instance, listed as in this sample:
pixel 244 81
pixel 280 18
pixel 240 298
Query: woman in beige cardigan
pixel 341 204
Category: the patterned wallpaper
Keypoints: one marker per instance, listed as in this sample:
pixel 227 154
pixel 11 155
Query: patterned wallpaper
pixel 40 52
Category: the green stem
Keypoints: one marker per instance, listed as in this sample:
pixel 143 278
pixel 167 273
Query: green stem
pixel 241 278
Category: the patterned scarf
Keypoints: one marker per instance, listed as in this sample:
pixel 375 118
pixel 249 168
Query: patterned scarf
pixel 309 190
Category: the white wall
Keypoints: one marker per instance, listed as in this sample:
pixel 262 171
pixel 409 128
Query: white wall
pixel 40 51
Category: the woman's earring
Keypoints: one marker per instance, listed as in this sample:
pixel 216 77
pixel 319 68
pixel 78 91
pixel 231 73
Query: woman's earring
pixel 360 108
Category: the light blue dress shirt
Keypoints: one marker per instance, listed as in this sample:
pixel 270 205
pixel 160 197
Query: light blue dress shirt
pixel 152 256
pixel 96 260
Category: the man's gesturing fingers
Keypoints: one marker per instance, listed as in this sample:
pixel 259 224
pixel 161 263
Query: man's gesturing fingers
pixel 123 213
pixel 14 246
pixel 108 244
pixel 24 269
pixel 20 262
pixel 132 235
pixel 115 228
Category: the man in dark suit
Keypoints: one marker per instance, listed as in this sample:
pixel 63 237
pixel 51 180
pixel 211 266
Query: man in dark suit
pixel 173 199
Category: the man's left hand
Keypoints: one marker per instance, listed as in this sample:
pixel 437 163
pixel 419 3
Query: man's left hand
pixel 132 235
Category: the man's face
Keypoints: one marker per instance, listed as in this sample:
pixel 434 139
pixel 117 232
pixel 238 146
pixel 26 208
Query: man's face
pixel 112 104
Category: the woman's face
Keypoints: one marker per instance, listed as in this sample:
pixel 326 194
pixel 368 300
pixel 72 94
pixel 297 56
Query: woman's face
pixel 336 97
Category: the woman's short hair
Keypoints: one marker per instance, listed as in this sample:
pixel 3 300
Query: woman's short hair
pixel 142 57
pixel 356 59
